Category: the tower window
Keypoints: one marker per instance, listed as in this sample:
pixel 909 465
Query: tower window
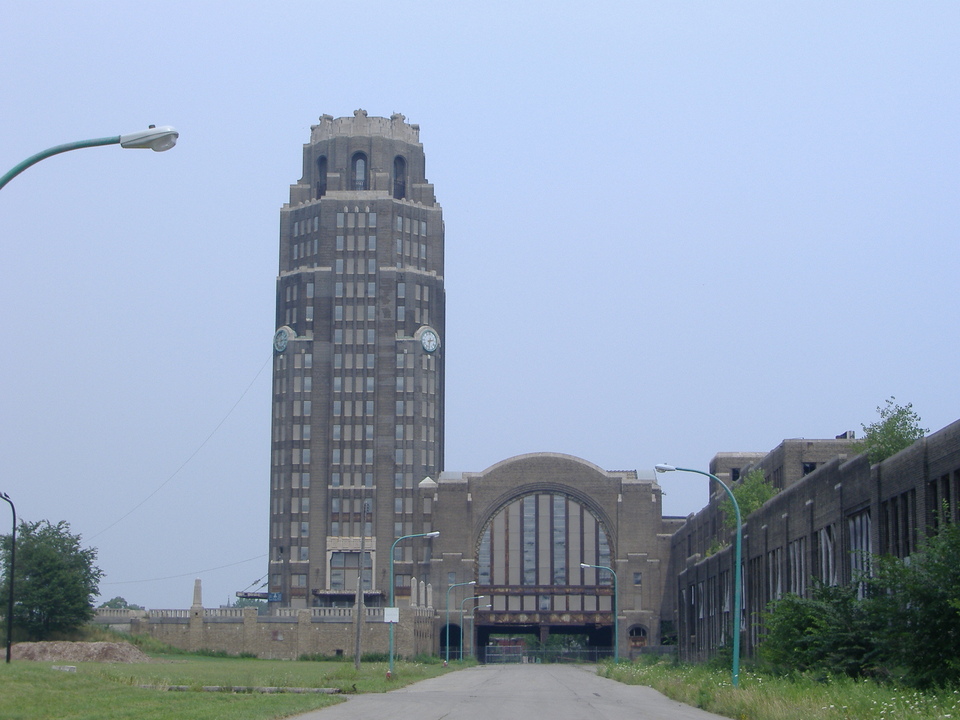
pixel 399 178
pixel 359 168
pixel 321 176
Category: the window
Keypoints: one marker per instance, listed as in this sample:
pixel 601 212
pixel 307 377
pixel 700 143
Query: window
pixel 399 178
pixel 359 171
pixel 321 176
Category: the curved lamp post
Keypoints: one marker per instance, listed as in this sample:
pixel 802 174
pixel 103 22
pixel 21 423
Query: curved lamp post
pixel 393 584
pixel 472 597
pixel 616 622
pixel 472 582
pixel 471 617
pixel 13 552
pixel 735 672
pixel 154 138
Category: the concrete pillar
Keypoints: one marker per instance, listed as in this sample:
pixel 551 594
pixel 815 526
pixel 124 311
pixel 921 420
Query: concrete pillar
pixel 250 639
pixel 195 633
pixel 305 642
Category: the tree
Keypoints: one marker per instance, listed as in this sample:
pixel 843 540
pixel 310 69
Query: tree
pixel 119 603
pixel 260 605
pixel 828 632
pixel 751 493
pixel 56 579
pixel 897 428
pixel 907 625
pixel 917 603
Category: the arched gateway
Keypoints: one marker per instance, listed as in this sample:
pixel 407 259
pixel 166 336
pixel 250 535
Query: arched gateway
pixel 523 529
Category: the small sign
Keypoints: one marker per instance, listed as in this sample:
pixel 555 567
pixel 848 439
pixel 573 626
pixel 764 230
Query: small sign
pixel 274 597
pixel 391 615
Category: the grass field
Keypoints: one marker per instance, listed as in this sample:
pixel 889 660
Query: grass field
pixel 99 691
pixel 764 697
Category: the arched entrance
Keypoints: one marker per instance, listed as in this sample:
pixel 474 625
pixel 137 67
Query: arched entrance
pixel 530 569
pixel 454 651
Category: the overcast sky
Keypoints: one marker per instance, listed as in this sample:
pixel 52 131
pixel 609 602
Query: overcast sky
pixel 672 229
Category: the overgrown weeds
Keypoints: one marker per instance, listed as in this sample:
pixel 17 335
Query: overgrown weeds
pixel 798 696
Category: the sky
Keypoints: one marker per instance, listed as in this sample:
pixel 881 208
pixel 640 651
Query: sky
pixel 672 229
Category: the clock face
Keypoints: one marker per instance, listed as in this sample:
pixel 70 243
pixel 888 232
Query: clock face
pixel 429 341
pixel 280 340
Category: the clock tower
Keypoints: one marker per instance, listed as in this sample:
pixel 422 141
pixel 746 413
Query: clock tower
pixel 358 367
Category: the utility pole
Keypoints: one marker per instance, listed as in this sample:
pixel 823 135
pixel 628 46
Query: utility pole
pixel 360 608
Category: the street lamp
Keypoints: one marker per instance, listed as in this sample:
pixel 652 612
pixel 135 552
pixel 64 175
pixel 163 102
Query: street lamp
pixel 735 672
pixel 471 617
pixel 435 533
pixel 13 553
pixel 472 582
pixel 154 138
pixel 473 597
pixel 616 622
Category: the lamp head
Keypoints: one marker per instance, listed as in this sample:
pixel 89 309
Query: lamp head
pixel 585 566
pixel 663 467
pixel 472 582
pixel 155 138
pixel 435 533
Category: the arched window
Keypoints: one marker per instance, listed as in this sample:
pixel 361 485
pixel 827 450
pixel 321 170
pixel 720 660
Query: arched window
pixel 359 168
pixel 399 178
pixel 321 176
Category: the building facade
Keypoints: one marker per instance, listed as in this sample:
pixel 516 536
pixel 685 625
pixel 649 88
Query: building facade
pixel 555 546
pixel 833 513
pixel 358 371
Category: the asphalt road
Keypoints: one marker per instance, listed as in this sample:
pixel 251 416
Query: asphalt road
pixel 509 692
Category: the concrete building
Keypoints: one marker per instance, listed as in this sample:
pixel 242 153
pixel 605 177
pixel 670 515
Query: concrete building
pixel 358 364
pixel 524 529
pixel 835 510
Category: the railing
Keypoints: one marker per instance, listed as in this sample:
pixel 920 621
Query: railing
pixel 169 614
pixel 338 612
pixel 498 655
pixel 223 612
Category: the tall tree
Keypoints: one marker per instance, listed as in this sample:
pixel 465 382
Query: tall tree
pixel 898 428
pixel 751 494
pixel 120 603
pixel 55 579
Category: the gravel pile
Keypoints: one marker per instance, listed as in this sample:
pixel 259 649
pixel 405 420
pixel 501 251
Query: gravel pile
pixel 78 652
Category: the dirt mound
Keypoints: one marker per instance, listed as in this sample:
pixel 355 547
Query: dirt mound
pixel 78 652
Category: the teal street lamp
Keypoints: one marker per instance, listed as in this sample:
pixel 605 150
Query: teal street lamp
pixel 471 617
pixel 13 552
pixel 472 582
pixel 154 138
pixel 616 609
pixel 737 571
pixel 393 547
pixel 472 597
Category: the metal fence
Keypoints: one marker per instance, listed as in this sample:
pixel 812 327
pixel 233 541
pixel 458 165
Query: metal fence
pixel 499 655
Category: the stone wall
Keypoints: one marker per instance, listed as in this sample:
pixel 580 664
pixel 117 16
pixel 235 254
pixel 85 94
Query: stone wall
pixel 287 635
